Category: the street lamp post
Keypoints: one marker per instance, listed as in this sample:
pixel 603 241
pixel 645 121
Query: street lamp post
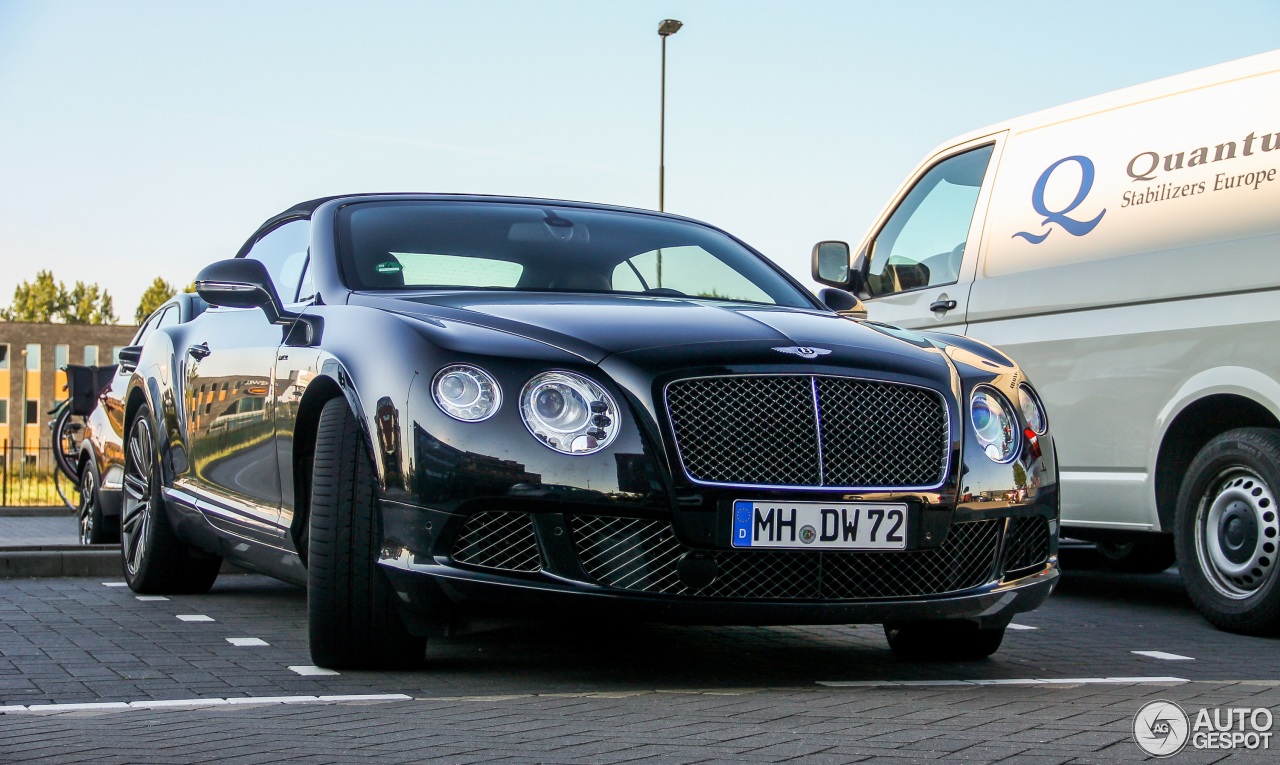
pixel 667 28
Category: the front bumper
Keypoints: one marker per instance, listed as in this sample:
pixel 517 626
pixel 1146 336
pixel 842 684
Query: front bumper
pixel 551 563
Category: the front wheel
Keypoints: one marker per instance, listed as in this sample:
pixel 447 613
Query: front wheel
pixel 948 640
pixel 95 528
pixel 352 617
pixel 155 560
pixel 1227 531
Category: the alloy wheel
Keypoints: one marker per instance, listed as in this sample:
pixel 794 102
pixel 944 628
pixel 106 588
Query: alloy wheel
pixel 136 514
pixel 1237 531
pixel 88 505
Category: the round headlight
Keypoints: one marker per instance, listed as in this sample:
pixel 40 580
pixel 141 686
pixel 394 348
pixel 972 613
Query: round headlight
pixel 993 424
pixel 1032 411
pixel 569 413
pixel 466 393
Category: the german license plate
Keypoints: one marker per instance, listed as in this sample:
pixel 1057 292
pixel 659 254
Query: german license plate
pixel 819 525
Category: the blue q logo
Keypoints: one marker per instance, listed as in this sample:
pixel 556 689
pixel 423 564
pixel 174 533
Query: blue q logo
pixel 1070 225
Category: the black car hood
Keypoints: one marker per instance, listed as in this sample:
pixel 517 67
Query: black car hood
pixel 598 326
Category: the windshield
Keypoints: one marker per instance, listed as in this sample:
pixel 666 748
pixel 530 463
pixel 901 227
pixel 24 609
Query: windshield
pixel 397 245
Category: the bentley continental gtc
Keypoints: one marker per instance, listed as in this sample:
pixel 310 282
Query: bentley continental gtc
pixel 431 408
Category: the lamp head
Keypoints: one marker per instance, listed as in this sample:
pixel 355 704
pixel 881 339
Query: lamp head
pixel 669 27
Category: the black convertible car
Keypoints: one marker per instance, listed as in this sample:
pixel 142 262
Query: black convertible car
pixel 426 408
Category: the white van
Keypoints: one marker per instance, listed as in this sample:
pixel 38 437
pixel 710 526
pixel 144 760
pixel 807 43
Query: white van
pixel 1125 251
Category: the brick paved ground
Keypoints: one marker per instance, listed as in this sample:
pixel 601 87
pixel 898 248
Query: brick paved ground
pixel 556 694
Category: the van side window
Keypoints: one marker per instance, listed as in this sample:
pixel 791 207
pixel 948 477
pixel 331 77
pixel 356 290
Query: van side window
pixel 922 243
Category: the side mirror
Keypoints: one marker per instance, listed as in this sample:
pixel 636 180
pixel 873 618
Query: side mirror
pixel 858 276
pixel 843 303
pixel 129 356
pixel 830 263
pixel 240 283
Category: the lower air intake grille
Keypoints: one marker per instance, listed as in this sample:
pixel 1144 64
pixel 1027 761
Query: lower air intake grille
pixel 1028 543
pixel 641 555
pixel 498 540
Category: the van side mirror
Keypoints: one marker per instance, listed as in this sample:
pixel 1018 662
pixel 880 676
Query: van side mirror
pixel 241 283
pixel 843 303
pixel 858 276
pixel 830 263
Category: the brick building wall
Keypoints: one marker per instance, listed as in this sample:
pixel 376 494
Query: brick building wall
pixel 44 383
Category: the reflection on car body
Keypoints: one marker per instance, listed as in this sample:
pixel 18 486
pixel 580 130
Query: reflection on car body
pixel 428 408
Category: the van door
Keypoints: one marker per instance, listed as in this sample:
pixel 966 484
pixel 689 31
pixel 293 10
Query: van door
pixel 921 259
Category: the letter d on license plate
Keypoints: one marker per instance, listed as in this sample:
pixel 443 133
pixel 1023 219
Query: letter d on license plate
pixel 819 525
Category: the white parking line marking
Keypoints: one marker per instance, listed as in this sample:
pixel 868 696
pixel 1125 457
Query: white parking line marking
pixel 309 670
pixel 1022 627
pixel 181 703
pixel 150 598
pixel 1008 681
pixel 115 584
pixel 1163 655
pixel 195 618
pixel 247 641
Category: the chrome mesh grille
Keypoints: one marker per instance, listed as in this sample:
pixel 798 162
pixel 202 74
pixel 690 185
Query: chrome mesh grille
pixel 498 540
pixel 641 555
pixel 801 430
pixel 881 434
pixel 747 430
pixel 1027 544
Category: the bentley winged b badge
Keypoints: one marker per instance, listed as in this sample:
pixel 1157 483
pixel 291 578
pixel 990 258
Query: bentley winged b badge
pixel 803 352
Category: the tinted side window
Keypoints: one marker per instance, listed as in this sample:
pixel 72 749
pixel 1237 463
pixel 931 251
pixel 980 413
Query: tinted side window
pixel 284 252
pixel 922 243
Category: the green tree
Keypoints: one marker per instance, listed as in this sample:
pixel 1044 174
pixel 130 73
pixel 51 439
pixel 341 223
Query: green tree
pixel 40 301
pixel 88 304
pixel 159 291
pixel 1019 475
pixel 48 300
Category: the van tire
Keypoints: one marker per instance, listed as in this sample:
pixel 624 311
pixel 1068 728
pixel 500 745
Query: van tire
pixel 353 619
pixel 1228 531
pixel 1145 556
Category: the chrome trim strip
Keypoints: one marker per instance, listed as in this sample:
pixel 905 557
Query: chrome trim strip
pixel 817 425
pixel 946 472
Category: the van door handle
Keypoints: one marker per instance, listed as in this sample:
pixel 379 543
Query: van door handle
pixel 198 352
pixel 942 305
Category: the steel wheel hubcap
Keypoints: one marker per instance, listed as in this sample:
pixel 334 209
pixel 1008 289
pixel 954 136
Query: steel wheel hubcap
pixel 135 516
pixel 1237 531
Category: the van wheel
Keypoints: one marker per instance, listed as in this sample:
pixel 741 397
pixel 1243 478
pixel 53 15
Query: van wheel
pixel 352 616
pixel 1147 556
pixel 155 560
pixel 950 640
pixel 1227 531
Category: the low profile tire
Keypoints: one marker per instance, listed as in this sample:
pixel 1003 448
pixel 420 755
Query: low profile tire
pixel 1228 531
pixel 155 560
pixel 95 528
pixel 352 616
pixel 942 640
pixel 1147 556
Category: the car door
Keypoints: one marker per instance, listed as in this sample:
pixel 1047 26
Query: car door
pixel 919 262
pixel 231 398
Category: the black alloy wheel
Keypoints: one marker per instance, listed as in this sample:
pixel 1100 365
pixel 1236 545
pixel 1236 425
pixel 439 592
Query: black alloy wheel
pixel 1228 531
pixel 945 640
pixel 353 619
pixel 95 529
pixel 155 560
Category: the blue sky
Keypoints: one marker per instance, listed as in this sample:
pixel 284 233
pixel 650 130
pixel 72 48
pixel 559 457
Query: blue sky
pixel 143 139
